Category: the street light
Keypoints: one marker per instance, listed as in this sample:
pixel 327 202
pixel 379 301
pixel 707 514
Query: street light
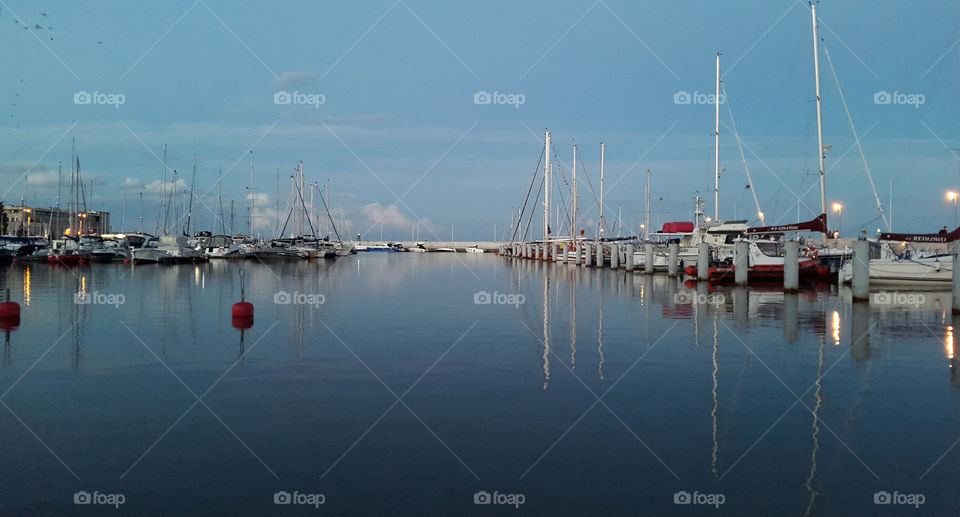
pixel 838 208
pixel 952 196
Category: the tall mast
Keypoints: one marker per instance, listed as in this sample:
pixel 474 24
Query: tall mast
pixel 602 222
pixel 251 226
pixel 646 227
pixel 163 190
pixel 220 200
pixel 816 76
pixel 573 196
pixel 716 147
pixel 546 186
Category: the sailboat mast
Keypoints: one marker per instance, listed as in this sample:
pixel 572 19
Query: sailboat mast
pixel 220 200
pixel 546 186
pixel 573 197
pixel 816 76
pixel 716 147
pixel 251 226
pixel 646 227
pixel 602 222
pixel 163 190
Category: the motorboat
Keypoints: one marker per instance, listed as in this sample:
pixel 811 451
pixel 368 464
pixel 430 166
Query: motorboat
pixel 766 263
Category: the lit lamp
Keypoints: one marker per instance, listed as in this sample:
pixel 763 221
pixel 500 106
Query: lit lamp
pixel 760 214
pixel 838 208
pixel 952 196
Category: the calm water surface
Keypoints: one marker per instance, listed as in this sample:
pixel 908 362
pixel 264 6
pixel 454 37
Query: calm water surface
pixel 588 392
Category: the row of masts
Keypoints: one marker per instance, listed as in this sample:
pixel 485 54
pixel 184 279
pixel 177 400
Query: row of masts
pixel 548 167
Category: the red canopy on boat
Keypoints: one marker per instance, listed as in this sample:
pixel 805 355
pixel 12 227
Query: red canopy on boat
pixel 818 224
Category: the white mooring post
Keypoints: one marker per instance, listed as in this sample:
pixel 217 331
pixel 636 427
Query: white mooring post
pixel 673 259
pixel 703 261
pixel 615 256
pixel 861 270
pixel 577 250
pixel 599 254
pixel 741 262
pixel 955 250
pixel 648 258
pixel 587 257
pixel 628 259
pixel 791 265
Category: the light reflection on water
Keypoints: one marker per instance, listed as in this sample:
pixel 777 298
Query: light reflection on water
pixel 602 392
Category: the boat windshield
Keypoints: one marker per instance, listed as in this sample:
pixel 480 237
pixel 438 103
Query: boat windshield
pixel 771 249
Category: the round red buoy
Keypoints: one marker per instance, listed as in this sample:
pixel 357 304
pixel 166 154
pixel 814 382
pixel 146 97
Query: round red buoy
pixel 8 323
pixel 242 310
pixel 8 309
pixel 690 270
pixel 690 284
pixel 241 322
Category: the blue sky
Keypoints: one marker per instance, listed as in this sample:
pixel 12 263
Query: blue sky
pixel 398 120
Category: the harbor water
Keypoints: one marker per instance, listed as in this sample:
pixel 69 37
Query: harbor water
pixel 469 384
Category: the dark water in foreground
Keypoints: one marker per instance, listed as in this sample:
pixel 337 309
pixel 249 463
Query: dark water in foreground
pixel 401 395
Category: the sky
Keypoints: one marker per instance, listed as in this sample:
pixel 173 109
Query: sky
pixel 382 105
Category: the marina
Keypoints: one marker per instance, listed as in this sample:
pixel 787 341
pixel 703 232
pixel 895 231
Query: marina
pixel 736 376
pixel 414 258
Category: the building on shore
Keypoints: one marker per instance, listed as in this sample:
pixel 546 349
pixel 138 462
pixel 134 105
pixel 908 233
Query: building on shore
pixel 51 222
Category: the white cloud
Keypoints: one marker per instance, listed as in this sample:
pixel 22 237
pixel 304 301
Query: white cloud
pixel 294 80
pixel 389 216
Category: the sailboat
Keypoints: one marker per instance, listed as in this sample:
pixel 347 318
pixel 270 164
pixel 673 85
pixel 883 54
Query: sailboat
pixel 909 266
pixel 766 256
pixel 67 250
pixel 171 249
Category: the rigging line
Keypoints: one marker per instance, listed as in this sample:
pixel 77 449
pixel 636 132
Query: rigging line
pixel 327 209
pixel 523 206
pixel 743 157
pixel 595 198
pixel 857 139
pixel 530 219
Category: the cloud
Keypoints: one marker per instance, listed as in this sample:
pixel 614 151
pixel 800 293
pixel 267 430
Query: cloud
pixel 294 80
pixel 388 216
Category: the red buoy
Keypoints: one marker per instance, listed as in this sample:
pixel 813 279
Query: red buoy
pixel 9 309
pixel 242 323
pixel 242 310
pixel 690 270
pixel 9 323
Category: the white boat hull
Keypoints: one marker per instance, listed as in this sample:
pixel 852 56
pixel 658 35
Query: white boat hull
pixel 911 272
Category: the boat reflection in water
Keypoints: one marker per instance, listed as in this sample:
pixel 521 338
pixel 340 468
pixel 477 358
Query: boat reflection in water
pixel 636 380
